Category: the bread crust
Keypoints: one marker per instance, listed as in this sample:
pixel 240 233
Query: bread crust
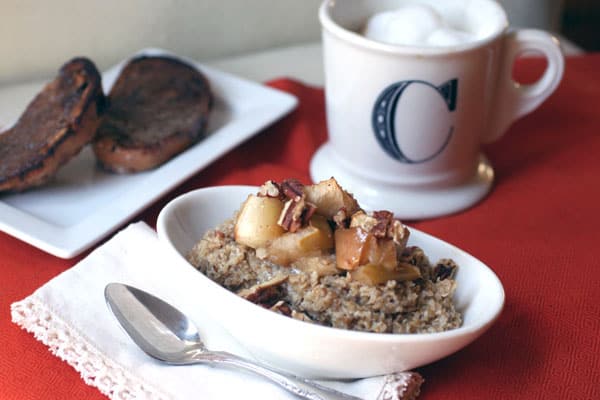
pixel 158 107
pixel 55 126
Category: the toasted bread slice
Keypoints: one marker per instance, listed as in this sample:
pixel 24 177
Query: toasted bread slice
pixel 158 107
pixel 56 125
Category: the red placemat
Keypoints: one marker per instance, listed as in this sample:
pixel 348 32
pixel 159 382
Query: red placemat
pixel 537 229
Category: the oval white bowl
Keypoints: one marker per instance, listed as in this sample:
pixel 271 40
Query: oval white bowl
pixel 316 351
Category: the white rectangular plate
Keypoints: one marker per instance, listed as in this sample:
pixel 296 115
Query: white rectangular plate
pixel 83 204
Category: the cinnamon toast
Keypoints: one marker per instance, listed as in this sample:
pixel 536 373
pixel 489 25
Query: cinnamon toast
pixel 55 126
pixel 158 107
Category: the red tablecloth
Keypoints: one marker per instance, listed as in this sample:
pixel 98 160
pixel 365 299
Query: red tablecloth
pixel 538 230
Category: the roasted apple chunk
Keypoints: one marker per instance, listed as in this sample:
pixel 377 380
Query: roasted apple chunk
pixel 369 259
pixel 311 240
pixel 355 247
pixel 329 198
pixel 372 274
pixel 381 252
pixel 350 247
pixel 256 224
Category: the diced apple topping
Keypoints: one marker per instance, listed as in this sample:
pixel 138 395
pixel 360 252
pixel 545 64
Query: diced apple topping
pixel 371 274
pixel 381 252
pixel 329 198
pixel 256 223
pixel 361 220
pixel 355 247
pixel 369 248
pixel 289 223
pixel 311 240
pixel 350 245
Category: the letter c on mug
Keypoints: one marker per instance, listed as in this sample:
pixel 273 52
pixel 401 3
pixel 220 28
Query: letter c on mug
pixel 384 118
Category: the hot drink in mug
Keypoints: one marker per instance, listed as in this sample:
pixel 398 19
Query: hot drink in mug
pixel 413 89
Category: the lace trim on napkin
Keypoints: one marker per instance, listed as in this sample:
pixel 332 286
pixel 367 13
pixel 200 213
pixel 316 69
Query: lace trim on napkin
pixel 70 346
pixel 401 386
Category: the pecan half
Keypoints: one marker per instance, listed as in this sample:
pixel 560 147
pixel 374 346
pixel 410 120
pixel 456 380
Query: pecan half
pixel 341 219
pixel 384 221
pixel 399 233
pixel 381 224
pixel 270 189
pixel 266 293
pixel 292 188
pixel 295 214
pixel 281 307
pixel 401 386
pixel 299 315
pixel 444 269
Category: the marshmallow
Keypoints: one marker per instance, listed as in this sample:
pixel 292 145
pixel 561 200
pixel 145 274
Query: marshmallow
pixel 408 25
pixel 434 25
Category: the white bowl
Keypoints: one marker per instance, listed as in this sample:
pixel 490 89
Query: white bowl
pixel 316 351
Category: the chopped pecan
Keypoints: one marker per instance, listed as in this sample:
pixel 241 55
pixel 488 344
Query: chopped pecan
pixel 341 219
pixel 270 189
pixel 399 233
pixel 292 189
pixel 413 255
pixel 282 308
pixel 290 217
pixel 384 221
pixel 301 316
pixel 381 224
pixel 309 210
pixel 444 269
pixel 295 214
pixel 401 386
pixel 266 293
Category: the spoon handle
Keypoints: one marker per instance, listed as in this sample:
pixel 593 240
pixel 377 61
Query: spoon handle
pixel 303 388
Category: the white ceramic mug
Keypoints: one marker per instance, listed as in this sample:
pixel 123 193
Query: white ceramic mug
pixel 406 123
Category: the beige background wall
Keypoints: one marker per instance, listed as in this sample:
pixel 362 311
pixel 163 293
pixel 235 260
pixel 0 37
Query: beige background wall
pixel 36 37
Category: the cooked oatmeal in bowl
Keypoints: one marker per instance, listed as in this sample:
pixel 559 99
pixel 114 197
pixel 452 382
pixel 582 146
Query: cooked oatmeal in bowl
pixel 311 253
pixel 259 284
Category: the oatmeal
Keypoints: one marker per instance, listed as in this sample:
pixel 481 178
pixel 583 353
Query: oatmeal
pixel 311 253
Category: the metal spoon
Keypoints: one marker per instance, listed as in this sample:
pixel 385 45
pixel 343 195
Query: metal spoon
pixel 166 334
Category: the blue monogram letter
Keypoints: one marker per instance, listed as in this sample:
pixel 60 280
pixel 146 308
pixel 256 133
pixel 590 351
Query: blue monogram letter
pixel 384 116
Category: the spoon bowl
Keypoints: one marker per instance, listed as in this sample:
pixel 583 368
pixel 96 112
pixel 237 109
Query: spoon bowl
pixel 159 329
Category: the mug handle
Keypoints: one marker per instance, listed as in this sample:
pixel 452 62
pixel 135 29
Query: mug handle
pixel 513 100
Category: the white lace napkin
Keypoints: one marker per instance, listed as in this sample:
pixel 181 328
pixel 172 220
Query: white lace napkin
pixel 69 315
